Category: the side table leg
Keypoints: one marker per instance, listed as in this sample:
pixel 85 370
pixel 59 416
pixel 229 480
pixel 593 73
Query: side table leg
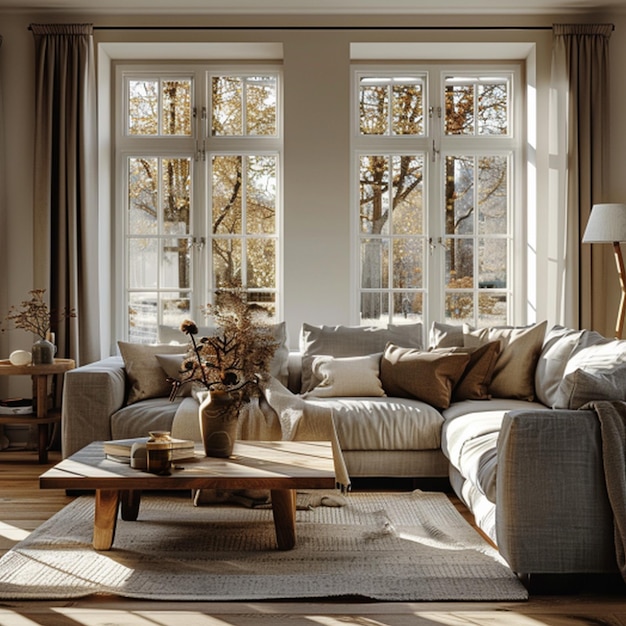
pixel 105 518
pixel 42 442
pixel 284 512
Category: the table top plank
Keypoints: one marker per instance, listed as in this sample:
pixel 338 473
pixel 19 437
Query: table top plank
pixel 254 465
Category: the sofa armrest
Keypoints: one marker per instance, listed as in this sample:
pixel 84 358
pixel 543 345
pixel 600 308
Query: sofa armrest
pixel 552 513
pixel 91 394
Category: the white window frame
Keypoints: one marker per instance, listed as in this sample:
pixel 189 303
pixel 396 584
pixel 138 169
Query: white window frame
pixel 200 146
pixel 435 144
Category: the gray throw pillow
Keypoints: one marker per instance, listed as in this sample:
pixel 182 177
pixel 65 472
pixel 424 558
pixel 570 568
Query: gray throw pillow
pixel 345 341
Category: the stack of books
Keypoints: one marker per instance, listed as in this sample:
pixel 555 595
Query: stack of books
pixel 16 406
pixel 120 449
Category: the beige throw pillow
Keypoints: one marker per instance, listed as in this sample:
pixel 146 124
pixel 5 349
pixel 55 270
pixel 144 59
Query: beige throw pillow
pixel 428 376
pixel 349 376
pixel 514 373
pixel 146 376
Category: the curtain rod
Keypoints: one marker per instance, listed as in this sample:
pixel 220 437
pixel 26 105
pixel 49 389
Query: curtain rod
pixel 470 28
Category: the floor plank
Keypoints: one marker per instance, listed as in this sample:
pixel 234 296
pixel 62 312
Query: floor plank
pixel 23 507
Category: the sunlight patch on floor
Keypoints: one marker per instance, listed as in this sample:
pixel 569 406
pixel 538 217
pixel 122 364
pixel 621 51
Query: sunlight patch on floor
pixel 480 618
pixel 104 617
pixel 13 533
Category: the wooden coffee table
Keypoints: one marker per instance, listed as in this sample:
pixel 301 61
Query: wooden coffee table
pixel 279 466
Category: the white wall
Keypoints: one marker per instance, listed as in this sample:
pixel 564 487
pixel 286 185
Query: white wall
pixel 317 141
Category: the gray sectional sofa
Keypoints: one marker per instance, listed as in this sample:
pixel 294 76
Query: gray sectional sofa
pixel 497 410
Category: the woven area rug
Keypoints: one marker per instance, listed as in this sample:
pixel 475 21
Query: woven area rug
pixel 382 546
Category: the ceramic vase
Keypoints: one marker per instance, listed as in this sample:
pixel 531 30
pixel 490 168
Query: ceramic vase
pixel 43 352
pixel 218 423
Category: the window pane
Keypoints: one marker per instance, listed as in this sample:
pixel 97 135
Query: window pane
pixel 176 196
pixel 226 198
pixel 404 95
pixel 374 308
pixel 142 317
pixel 143 180
pixel 175 308
pixel 143 107
pixel 408 210
pixel 460 263
pixel 227 262
pixel 176 107
pixel 459 188
pixel 261 105
pixel 261 195
pixel 176 263
pixel 459 107
pixel 408 106
pixel 373 106
pixel 408 263
pixel 226 105
pixel 459 308
pixel 266 300
pixel 493 195
pixel 143 263
pixel 493 310
pixel 492 263
pixel 261 263
pixel 374 263
pixel 374 194
pixel 408 307
pixel 493 108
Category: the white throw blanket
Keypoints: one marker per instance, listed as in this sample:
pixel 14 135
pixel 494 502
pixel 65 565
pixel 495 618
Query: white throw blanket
pixel 612 418
pixel 278 414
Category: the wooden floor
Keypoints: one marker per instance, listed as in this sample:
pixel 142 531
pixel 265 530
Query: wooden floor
pixel 23 507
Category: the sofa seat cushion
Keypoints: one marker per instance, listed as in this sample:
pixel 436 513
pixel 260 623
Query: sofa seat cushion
pixel 384 423
pixel 469 439
pixel 137 420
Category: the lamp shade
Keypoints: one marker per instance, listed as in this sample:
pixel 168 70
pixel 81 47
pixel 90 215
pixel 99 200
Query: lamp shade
pixel 607 223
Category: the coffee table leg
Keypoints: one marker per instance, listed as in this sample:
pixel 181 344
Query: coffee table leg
pixel 105 518
pixel 284 511
pixel 130 500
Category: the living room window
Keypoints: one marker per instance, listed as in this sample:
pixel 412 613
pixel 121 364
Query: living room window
pixel 198 153
pixel 436 150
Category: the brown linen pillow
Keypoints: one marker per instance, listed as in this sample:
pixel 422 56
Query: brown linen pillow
pixel 146 376
pixel 475 381
pixel 428 376
pixel 514 373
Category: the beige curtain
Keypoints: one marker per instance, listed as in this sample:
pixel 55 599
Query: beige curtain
pixel 65 183
pixel 579 155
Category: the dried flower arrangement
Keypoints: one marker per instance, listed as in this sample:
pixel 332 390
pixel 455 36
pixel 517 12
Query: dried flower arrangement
pixel 238 356
pixel 34 315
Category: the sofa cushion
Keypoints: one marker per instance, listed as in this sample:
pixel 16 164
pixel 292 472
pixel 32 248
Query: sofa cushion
pixel 428 376
pixel 344 341
pixel 348 376
pixel 138 419
pixel 279 366
pixel 596 372
pixel 146 377
pixel 514 373
pixel 559 346
pixel 384 423
pixel 469 439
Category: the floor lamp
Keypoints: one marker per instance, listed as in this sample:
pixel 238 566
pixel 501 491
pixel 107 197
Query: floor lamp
pixel 607 224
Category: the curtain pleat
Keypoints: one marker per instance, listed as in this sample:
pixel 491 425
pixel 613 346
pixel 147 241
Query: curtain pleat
pixel 65 184
pixel 579 155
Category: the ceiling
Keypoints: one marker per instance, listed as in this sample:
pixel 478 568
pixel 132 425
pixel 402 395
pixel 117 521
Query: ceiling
pixel 493 7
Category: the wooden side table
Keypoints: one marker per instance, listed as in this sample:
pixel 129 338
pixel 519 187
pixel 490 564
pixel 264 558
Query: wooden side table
pixel 43 416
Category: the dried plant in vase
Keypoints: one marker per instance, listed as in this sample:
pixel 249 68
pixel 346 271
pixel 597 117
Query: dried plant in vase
pixel 229 364
pixel 34 316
